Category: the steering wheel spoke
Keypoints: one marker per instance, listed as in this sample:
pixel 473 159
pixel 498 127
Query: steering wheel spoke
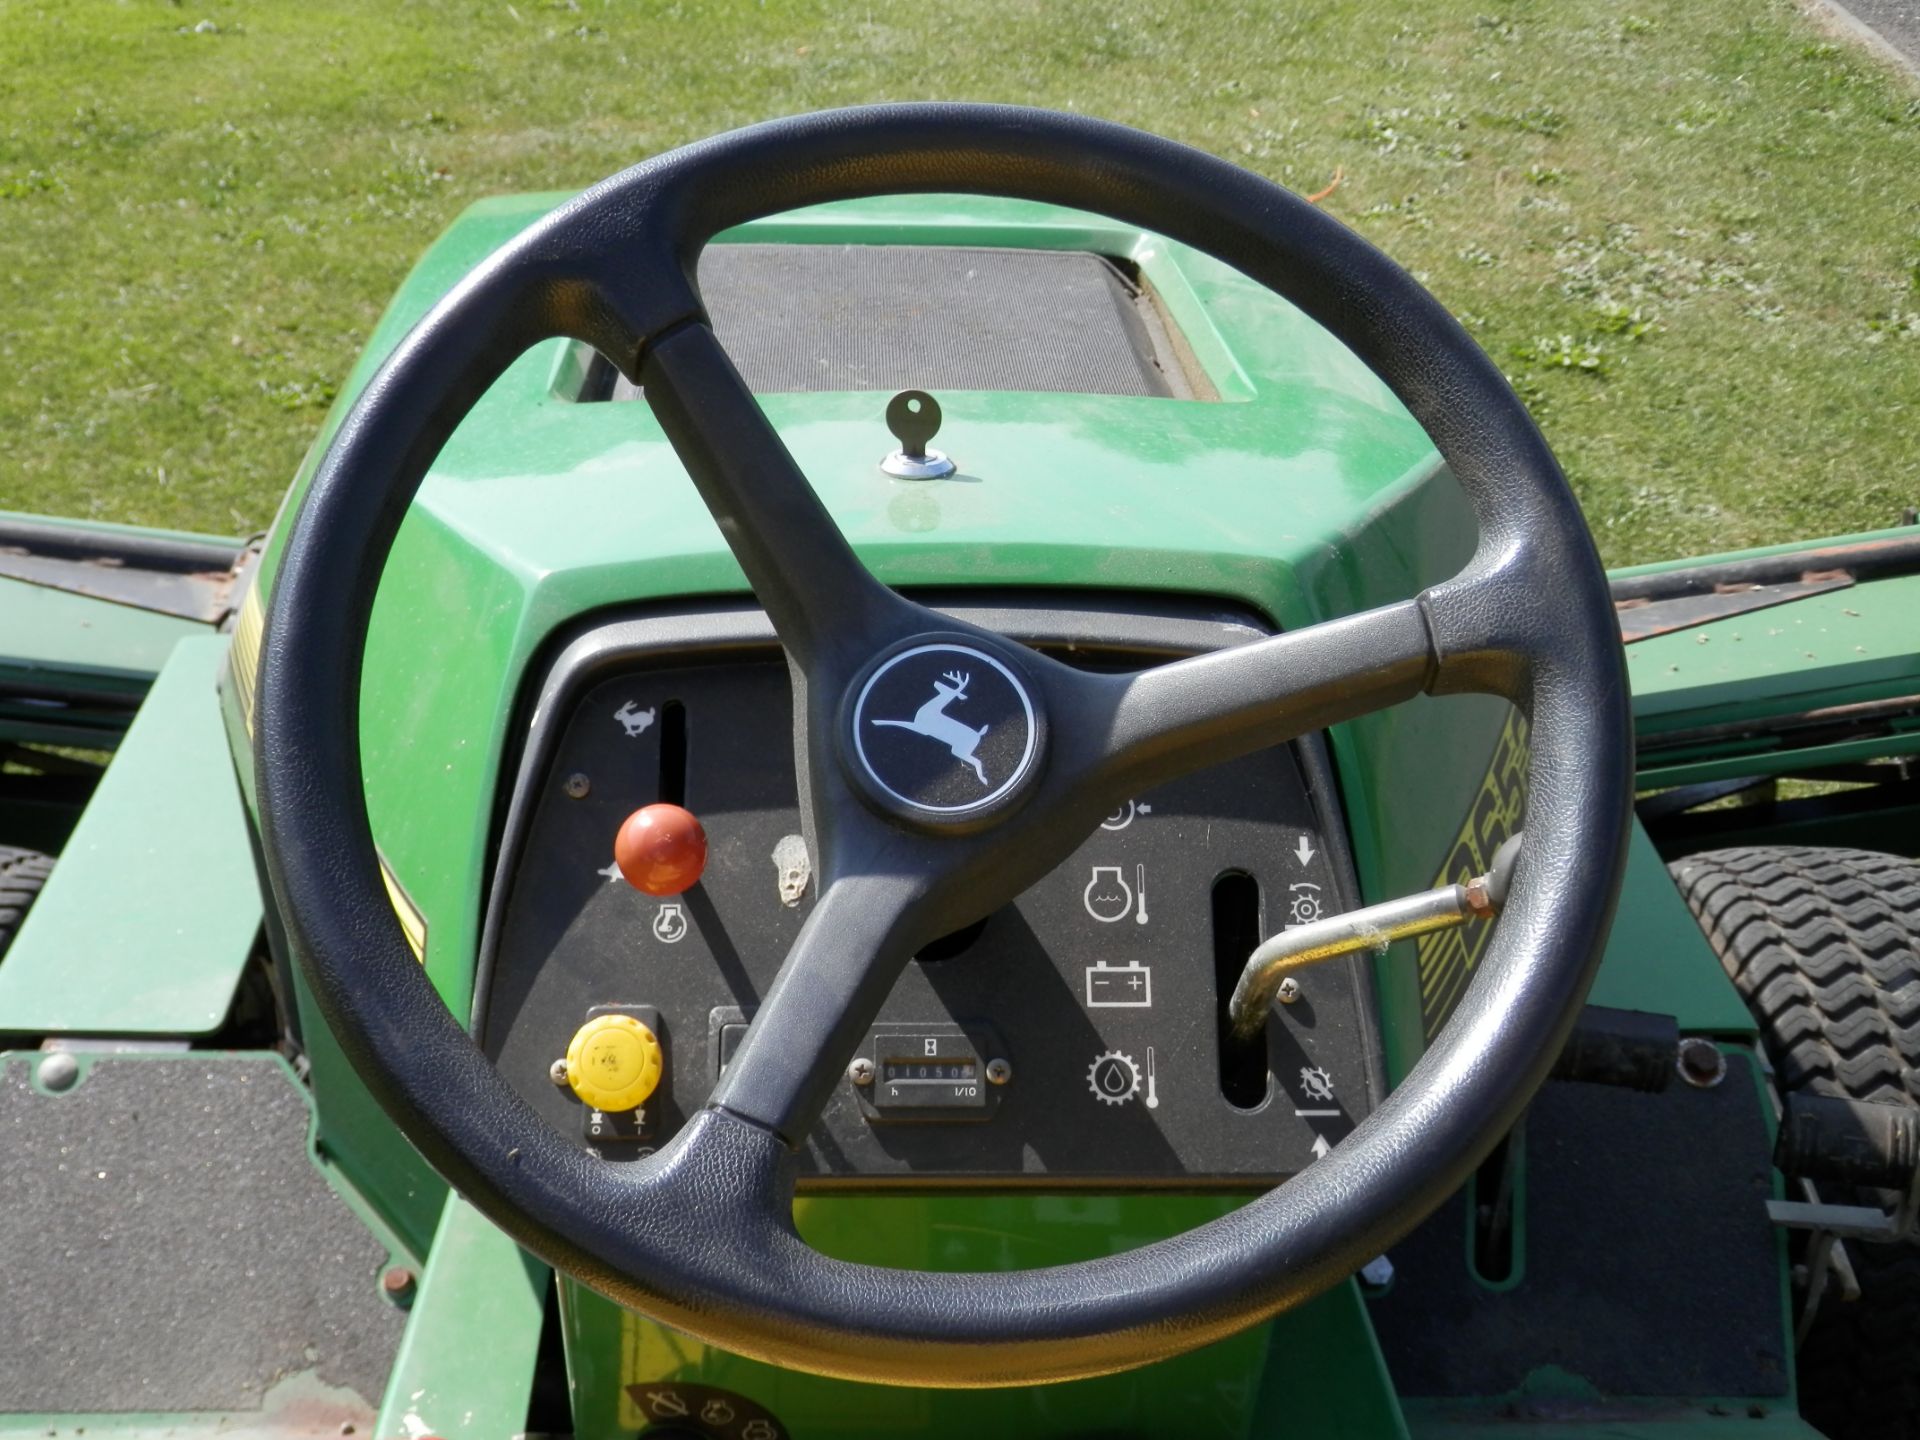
pixel 826 605
pixel 825 996
pixel 1164 722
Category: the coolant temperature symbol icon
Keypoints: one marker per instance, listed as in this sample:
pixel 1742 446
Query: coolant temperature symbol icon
pixel 1110 899
pixel 1108 896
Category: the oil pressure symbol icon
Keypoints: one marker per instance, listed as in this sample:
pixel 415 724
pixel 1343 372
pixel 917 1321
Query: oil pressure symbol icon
pixel 1113 1078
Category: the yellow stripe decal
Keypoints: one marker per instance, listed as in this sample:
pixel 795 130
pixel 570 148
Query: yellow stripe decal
pixel 411 920
pixel 1448 957
pixel 243 664
pixel 244 660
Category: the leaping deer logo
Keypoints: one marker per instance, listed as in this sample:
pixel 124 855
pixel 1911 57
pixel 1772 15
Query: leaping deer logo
pixel 932 721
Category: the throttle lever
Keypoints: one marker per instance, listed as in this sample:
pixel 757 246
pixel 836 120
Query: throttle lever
pixel 1372 928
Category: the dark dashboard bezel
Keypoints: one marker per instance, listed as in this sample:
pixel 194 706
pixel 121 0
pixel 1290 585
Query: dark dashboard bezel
pixel 1086 626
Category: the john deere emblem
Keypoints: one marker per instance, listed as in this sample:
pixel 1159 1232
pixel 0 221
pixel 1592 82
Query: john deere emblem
pixel 944 728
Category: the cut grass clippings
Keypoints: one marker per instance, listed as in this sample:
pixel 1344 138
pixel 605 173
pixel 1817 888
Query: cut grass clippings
pixel 1690 233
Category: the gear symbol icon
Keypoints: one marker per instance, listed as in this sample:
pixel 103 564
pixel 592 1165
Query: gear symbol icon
pixel 1113 1078
pixel 1316 1083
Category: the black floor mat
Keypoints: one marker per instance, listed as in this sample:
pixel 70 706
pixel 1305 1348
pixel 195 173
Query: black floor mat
pixel 168 1246
pixel 1651 1268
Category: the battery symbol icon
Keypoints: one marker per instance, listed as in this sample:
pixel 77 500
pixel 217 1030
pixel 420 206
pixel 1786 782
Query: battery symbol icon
pixel 1119 987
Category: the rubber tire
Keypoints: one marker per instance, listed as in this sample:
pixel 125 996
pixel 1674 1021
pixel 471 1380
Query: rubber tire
pixel 1824 946
pixel 22 873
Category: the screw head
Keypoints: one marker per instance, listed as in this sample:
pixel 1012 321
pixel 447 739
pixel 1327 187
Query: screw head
pixel 861 1071
pixel 1700 1062
pixel 1288 992
pixel 999 1072
pixel 557 1072
pixel 577 786
pixel 58 1071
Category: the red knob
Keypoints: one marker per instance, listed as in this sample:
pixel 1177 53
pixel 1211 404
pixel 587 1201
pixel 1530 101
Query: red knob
pixel 661 849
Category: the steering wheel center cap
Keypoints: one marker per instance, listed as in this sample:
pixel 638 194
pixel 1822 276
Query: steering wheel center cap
pixel 943 730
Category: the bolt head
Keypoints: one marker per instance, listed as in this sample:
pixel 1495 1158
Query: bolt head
pixel 1288 992
pixel 398 1283
pixel 999 1072
pixel 578 786
pixel 861 1071
pixel 1700 1062
pixel 58 1071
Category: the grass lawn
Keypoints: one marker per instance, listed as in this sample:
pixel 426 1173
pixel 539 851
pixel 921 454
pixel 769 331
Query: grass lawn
pixel 1690 231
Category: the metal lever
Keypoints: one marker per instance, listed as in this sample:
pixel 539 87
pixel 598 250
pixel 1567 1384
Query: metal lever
pixel 1373 928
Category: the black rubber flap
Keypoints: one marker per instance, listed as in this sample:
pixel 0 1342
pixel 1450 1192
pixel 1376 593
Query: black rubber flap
pixel 169 1246
pixel 1650 1267
pixel 932 317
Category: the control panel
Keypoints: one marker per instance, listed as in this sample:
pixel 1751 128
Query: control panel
pixel 1077 1036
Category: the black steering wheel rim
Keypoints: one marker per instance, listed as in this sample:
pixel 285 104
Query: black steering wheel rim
pixel 701 1237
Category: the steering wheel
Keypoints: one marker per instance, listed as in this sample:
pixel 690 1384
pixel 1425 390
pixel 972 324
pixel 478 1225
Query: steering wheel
pixel 701 1236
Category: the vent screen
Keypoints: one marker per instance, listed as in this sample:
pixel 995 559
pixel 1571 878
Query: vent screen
pixel 931 317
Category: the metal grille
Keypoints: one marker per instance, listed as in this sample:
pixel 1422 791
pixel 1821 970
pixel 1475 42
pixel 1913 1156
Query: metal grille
pixel 929 317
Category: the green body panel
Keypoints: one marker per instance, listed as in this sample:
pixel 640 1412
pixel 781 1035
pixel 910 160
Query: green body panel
pixel 353 1132
pixel 1581 1419
pixel 1657 959
pixel 1315 1371
pixel 466 1363
pixel 1839 647
pixel 1767 761
pixel 51 632
pixel 1325 1374
pixel 165 840
pixel 49 638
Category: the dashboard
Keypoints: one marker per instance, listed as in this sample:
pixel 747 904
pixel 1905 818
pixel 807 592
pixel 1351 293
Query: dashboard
pixel 1075 1038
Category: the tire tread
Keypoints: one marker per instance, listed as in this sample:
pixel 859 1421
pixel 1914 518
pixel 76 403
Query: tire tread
pixel 1824 946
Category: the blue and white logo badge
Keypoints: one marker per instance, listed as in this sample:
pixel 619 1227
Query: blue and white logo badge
pixel 945 728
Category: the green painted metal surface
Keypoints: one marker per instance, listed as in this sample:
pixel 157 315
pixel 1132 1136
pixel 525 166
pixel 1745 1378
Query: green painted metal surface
pixel 1315 1371
pixel 97 656
pixel 466 1363
pixel 1759 552
pixel 1657 960
pixel 154 906
pixel 1841 647
pixel 1212 1392
pixel 352 1132
pixel 1835 642
pixel 1573 1417
pixel 52 632
pixel 1758 761
pixel 1325 1375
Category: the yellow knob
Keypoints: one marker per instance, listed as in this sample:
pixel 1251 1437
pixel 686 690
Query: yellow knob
pixel 614 1062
